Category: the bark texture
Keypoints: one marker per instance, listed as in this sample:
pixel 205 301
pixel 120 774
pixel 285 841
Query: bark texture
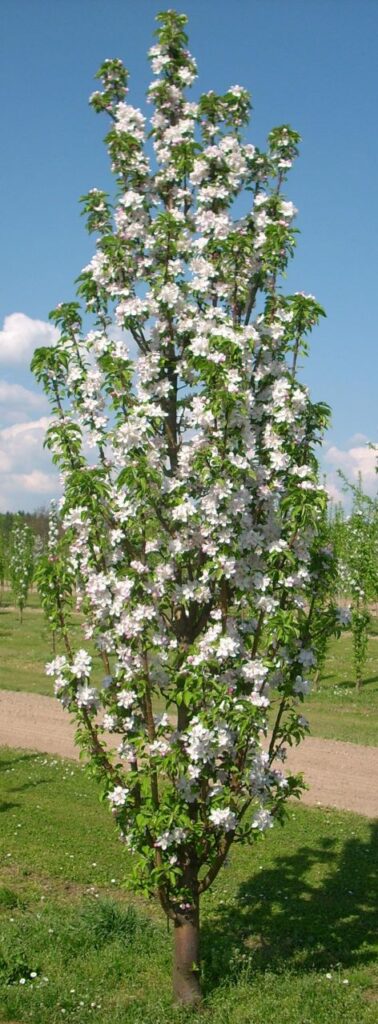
pixel 186 986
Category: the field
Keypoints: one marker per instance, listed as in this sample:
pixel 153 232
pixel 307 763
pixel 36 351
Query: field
pixel 290 931
pixel 335 711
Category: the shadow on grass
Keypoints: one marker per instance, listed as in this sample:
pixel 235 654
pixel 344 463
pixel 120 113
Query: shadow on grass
pixel 283 920
pixel 6 805
pixel 351 683
pixel 4 763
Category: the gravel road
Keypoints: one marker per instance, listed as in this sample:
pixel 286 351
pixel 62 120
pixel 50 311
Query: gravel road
pixel 341 775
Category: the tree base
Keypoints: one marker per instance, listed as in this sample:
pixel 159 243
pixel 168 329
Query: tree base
pixel 186 986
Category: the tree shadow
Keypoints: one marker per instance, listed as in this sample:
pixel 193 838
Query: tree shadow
pixel 283 919
pixel 351 683
pixel 6 805
pixel 12 761
pixel 29 785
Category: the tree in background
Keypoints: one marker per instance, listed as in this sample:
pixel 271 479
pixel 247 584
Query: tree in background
pixel 193 523
pixel 3 562
pixel 54 580
pixel 355 539
pixel 21 562
pixel 38 522
pixel 328 618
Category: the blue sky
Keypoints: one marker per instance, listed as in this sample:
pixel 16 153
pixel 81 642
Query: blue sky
pixel 311 63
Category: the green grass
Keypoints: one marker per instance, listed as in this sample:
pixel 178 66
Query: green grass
pixel 26 647
pixel 298 906
pixel 335 711
pixel 24 651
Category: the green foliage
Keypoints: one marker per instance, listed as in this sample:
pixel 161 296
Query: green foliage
pixel 36 521
pixel 21 562
pixel 355 539
pixel 3 561
pixel 54 579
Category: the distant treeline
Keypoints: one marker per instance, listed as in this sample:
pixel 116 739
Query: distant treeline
pixel 38 522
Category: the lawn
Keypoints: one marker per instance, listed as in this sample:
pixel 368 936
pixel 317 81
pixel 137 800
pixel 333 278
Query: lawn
pixel 26 647
pixel 335 711
pixel 290 932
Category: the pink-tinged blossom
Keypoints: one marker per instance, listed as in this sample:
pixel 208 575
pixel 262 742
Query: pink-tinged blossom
pixel 126 699
pixel 171 838
pixel 118 796
pixel 57 666
pixel 131 120
pixel 110 722
pixel 87 697
pixel 82 664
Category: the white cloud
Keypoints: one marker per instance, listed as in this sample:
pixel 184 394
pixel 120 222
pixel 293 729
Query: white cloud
pixel 16 402
pixel 5 462
pixel 353 461
pixel 21 335
pixel 27 477
pixel 36 481
pixel 29 429
pixel 334 492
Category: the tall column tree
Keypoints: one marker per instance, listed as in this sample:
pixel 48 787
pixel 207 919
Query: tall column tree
pixel 356 546
pixel 191 497
pixel 21 562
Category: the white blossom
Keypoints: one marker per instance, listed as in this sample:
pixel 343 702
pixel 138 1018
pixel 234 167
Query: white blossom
pixel 118 796
pixel 224 818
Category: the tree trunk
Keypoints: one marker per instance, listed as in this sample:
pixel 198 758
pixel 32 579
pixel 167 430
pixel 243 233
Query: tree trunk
pixel 186 986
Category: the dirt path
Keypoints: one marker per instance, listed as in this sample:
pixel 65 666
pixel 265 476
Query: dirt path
pixel 341 775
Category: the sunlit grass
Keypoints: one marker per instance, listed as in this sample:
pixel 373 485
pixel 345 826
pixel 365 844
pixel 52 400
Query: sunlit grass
pixel 337 710
pixel 295 908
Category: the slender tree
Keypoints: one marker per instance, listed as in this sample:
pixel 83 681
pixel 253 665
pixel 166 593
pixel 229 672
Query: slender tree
pixel 55 582
pixel 356 545
pixel 21 562
pixel 191 498
pixel 3 565
pixel 329 618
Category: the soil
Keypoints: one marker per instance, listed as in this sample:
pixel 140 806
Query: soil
pixel 341 775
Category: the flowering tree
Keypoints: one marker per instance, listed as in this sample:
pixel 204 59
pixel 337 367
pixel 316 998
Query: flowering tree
pixel 355 540
pixel 54 579
pixel 21 562
pixel 191 499
pixel 3 564
pixel 328 618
